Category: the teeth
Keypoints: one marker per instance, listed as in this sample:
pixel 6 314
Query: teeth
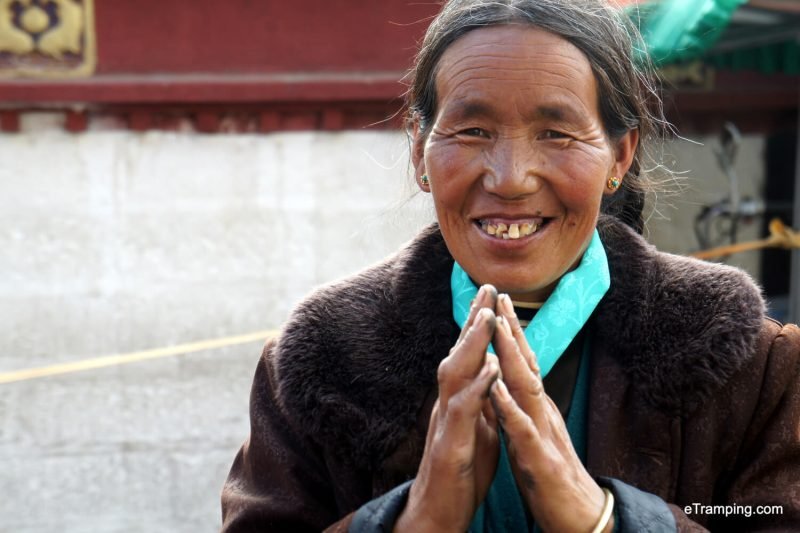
pixel 513 231
pixel 526 229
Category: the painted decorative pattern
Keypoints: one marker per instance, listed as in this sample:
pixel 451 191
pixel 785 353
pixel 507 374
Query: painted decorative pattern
pixel 47 38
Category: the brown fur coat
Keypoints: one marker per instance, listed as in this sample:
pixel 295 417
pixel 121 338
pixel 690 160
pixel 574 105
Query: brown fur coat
pixel 694 395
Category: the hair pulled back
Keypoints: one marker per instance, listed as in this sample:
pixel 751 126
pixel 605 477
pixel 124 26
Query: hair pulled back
pixel 627 93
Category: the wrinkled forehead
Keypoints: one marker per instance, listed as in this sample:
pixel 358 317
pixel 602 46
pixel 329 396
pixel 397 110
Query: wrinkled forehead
pixel 515 46
pixel 515 60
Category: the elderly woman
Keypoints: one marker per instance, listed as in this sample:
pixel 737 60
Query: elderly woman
pixel 527 361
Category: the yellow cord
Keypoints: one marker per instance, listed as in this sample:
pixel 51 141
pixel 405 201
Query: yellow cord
pixel 133 357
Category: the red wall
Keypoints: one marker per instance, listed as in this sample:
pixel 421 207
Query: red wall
pixel 239 64
pixel 264 65
pixel 257 36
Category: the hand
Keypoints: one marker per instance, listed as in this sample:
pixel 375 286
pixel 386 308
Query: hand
pixel 559 492
pixel 462 445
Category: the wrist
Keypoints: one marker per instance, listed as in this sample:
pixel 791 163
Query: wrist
pixel 605 522
pixel 408 522
pixel 417 517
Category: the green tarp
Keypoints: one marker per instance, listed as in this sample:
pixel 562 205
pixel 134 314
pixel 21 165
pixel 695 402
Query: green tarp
pixel 677 31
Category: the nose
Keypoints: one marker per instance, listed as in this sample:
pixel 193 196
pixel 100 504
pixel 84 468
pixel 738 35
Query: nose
pixel 513 168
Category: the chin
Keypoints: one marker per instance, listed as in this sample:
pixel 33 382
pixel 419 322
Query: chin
pixel 522 289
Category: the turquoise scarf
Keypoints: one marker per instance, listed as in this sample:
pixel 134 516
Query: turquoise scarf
pixel 563 314
pixel 549 334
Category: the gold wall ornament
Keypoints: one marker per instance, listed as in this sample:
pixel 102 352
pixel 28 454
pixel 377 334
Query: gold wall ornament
pixel 12 39
pixel 47 38
pixel 34 19
pixel 67 34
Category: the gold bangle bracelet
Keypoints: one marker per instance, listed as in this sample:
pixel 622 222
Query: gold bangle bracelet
pixel 608 509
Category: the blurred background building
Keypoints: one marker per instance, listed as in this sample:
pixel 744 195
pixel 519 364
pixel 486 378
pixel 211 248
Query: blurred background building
pixel 179 172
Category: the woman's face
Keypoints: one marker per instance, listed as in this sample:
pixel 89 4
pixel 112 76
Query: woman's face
pixel 517 147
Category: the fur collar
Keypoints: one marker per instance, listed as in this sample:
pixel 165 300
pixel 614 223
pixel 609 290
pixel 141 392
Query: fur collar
pixel 362 353
pixel 680 327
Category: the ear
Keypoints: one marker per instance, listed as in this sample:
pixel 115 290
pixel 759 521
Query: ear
pixel 418 156
pixel 624 150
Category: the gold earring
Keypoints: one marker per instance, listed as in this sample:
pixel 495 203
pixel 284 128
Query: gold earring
pixel 425 180
pixel 613 183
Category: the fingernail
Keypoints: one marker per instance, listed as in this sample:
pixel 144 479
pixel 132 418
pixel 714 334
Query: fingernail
pixel 508 307
pixel 489 319
pixel 481 291
pixel 492 291
pixel 502 390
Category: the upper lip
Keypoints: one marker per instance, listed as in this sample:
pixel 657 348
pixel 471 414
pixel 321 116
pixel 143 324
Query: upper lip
pixel 509 216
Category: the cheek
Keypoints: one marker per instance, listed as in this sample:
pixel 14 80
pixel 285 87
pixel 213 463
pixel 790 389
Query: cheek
pixel 582 185
pixel 451 174
pixel 446 157
pixel 581 195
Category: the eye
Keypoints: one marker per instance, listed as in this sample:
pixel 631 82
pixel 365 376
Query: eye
pixel 473 132
pixel 554 134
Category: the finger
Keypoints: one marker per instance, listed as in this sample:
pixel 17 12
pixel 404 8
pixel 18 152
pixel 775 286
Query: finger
pixel 524 438
pixel 487 449
pixel 558 429
pixel 515 422
pixel 445 486
pixel 465 360
pixel 432 423
pixel 525 386
pixel 513 363
pixel 464 410
pixel 486 297
pixel 489 415
pixel 505 308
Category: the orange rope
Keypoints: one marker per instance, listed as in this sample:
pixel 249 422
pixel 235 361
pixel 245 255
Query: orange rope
pixel 133 357
pixel 779 237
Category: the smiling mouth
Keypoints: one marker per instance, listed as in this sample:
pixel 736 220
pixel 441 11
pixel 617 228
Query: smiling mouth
pixel 510 231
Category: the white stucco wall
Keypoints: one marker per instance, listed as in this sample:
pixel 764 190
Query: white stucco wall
pixel 112 242
pixel 157 238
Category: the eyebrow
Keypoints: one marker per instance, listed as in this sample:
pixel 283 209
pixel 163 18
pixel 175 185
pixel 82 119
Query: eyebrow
pixel 471 109
pixel 556 113
pixel 550 112
pixel 478 109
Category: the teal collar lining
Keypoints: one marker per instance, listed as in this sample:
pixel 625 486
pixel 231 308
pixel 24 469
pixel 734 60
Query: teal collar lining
pixel 563 314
